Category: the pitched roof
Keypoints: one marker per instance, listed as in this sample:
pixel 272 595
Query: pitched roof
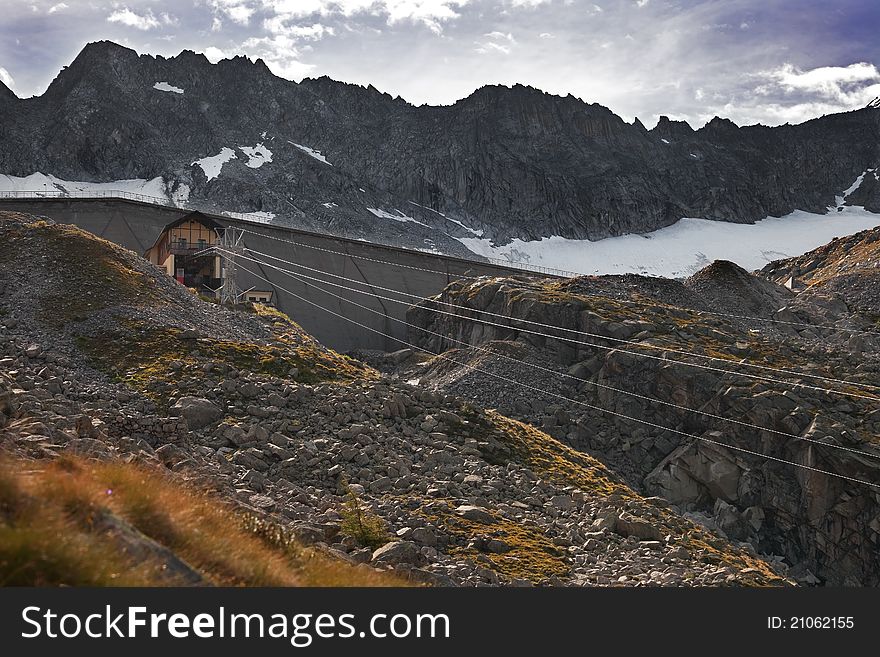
pixel 197 216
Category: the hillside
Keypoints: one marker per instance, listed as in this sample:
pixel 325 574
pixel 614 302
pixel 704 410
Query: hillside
pixel 847 270
pixel 502 163
pixel 108 362
pixel 755 409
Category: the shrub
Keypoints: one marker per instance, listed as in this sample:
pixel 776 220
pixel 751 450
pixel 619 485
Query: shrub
pixel 360 523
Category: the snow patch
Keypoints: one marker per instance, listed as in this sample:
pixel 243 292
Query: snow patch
pixel 477 233
pixel 213 164
pixel 164 86
pixel 858 183
pixel 329 205
pixel 49 184
pixel 311 152
pixel 687 246
pixel 665 141
pixel 397 217
pixel 257 155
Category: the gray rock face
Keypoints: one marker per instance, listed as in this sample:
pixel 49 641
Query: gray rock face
pixel 513 162
pixel 722 444
pixel 197 412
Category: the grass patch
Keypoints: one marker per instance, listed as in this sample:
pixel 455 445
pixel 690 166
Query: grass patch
pixel 51 533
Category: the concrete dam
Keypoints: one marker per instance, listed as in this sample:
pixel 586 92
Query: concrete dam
pixel 136 225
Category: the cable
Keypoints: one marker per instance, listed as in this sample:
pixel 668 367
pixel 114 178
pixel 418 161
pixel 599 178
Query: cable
pixel 300 277
pixel 743 362
pixel 753 318
pixel 562 397
pixel 621 350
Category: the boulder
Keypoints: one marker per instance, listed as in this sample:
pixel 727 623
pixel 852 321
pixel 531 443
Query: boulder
pixel 631 526
pixel 399 552
pixel 197 411
pixel 475 513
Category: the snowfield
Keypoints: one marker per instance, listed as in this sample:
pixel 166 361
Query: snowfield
pixel 257 155
pixel 213 164
pixel 50 185
pixel 687 246
pixel 311 151
pixel 164 86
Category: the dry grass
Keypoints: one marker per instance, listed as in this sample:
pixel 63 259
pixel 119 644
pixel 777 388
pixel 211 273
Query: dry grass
pixel 53 533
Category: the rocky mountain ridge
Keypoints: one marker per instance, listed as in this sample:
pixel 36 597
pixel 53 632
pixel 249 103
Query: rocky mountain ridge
pixel 503 162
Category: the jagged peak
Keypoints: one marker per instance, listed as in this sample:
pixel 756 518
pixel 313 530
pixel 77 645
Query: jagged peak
pixel 6 93
pixel 102 49
pixel 718 123
pixel 665 120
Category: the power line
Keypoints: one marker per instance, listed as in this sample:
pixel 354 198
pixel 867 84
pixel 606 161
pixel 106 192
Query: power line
pixel 621 350
pixel 300 277
pixel 562 397
pixel 751 318
pixel 743 362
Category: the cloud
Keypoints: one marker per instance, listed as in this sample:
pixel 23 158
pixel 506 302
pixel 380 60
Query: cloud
pixel 144 21
pixel 61 6
pixel 546 35
pixel 214 54
pixel 501 36
pixel 6 78
pixel 496 42
pixel 430 13
pixel 314 32
pixel 280 53
pixel 840 83
pixel 526 3
pixel 642 3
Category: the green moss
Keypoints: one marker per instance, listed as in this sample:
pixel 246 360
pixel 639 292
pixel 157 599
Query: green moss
pixel 532 555
pixel 147 359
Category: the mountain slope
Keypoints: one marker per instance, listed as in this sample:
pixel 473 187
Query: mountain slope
pixel 511 162
pixel 110 359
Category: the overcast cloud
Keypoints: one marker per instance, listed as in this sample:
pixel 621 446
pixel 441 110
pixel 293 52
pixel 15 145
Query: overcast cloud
pixel 748 60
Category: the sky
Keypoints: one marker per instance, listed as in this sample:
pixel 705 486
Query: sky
pixel 752 61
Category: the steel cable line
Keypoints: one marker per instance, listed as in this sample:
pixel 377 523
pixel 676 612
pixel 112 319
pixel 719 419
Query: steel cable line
pixel 300 278
pixel 756 377
pixel 742 363
pixel 562 397
pixel 752 318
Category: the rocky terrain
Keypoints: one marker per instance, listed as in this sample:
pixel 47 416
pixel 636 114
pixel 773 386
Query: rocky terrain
pixel 503 163
pixel 846 269
pixel 608 367
pixel 105 358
